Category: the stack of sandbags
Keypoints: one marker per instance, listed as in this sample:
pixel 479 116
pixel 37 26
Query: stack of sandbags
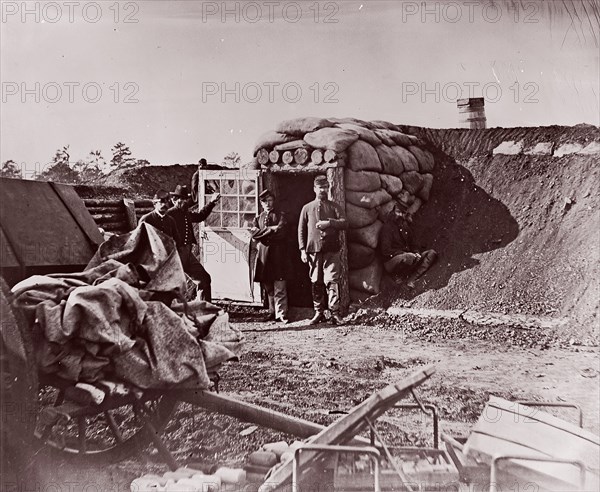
pixel 382 164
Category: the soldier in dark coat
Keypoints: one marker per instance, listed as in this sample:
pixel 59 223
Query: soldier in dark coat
pixel 159 218
pixel 184 219
pixel 271 267
pixel 399 255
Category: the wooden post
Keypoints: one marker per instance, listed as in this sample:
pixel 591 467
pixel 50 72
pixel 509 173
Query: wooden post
pixel 130 213
pixel 335 176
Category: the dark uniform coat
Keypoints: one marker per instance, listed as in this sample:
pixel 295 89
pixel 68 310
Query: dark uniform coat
pixel 272 258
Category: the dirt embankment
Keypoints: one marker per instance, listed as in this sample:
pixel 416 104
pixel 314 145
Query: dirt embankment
pixel 143 182
pixel 515 233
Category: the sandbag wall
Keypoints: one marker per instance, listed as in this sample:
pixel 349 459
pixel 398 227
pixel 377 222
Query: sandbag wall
pixel 381 165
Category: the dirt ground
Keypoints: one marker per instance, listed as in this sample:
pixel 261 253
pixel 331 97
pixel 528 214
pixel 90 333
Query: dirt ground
pixel 317 372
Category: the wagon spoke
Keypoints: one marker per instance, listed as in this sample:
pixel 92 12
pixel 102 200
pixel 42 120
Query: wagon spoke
pixel 81 429
pixel 113 426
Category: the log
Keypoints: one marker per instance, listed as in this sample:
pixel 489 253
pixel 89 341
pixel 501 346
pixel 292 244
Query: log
pixel 105 210
pixel 262 156
pixel 329 155
pixel 287 157
pixel 316 157
pixel 108 217
pixel 335 176
pixel 274 157
pixel 143 203
pixel 300 156
pixel 93 202
pixel 115 226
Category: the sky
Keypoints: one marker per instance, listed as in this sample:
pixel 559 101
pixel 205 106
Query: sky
pixel 181 80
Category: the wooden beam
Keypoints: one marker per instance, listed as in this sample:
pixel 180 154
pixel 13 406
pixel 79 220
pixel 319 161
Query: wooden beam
pixel 335 177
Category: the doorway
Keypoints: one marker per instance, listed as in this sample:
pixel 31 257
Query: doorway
pixel 294 191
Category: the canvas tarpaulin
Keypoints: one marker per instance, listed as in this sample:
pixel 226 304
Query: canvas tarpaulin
pixel 104 322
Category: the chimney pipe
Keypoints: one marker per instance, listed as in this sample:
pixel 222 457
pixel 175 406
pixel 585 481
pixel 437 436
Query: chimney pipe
pixel 471 112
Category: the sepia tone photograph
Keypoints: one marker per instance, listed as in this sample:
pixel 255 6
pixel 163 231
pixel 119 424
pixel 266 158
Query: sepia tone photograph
pixel 300 246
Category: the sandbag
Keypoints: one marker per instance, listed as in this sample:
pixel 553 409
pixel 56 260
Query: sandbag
pixel 362 157
pixel 358 216
pixel 392 184
pixel 384 210
pixel 336 139
pixel 424 158
pixel 363 133
pixel 383 125
pixel 352 121
pixel 269 139
pixel 409 161
pixel 416 205
pixel 359 256
pixel 293 145
pixel 402 138
pixel 405 198
pixel 300 126
pixel 384 137
pixel 367 236
pixel 412 181
pixel 361 181
pixel 426 188
pixel 366 279
pixel 368 199
pixel 390 162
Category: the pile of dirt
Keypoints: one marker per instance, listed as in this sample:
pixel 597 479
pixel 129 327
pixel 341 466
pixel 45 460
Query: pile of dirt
pixel 143 182
pixel 515 233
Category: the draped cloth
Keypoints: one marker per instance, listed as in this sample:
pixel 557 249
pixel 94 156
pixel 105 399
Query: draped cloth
pixel 106 321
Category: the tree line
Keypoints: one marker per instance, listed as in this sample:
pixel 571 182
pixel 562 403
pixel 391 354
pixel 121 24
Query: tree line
pixel 88 170
pixel 92 168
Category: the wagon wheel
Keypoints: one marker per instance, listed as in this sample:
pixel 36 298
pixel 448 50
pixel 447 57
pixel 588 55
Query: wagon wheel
pixel 18 387
pixel 105 433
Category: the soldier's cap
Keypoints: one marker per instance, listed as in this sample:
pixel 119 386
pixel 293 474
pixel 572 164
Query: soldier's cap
pixel 202 162
pixel 180 192
pixel 401 205
pixel 264 195
pixel 321 180
pixel 161 196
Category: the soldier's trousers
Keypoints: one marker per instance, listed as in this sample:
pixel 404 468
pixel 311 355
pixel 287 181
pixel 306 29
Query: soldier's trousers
pixel 324 271
pixel 409 263
pixel 194 269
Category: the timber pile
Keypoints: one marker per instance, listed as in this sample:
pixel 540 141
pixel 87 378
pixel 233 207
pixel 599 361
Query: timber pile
pixel 117 216
pixel 382 165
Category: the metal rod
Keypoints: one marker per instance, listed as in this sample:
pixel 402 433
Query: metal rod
pixel 327 448
pixel 433 414
pixel 497 459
